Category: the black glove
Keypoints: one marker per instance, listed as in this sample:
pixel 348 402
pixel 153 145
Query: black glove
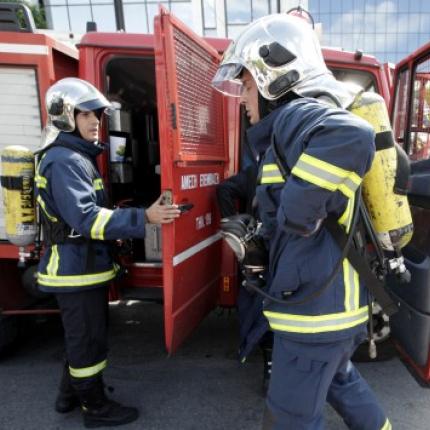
pixel 240 232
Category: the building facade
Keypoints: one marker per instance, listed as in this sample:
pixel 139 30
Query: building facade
pixel 388 29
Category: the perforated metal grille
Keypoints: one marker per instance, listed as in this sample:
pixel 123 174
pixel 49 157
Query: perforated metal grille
pixel 200 106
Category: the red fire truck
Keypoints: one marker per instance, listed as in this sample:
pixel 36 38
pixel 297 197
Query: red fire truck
pixel 171 134
pixel 29 64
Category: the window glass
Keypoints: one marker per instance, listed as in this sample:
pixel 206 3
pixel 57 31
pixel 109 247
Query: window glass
pixel 60 19
pixel 238 11
pixel 419 147
pixel 400 107
pixel 364 79
pixel 104 17
pixel 182 10
pixel 209 14
pixel 79 15
pixel 259 9
pixel 135 18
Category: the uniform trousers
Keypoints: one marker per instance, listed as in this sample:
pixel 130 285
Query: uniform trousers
pixel 84 315
pixel 306 375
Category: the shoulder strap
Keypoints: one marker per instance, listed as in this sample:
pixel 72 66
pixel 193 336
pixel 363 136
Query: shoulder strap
pixel 279 158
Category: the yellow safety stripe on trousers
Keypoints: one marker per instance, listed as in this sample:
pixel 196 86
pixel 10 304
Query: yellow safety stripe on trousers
pixel 54 261
pixel 316 323
pixel 43 206
pixel 98 227
pixel 98 184
pixel 271 175
pixel 41 181
pixel 387 425
pixel 87 372
pixel 326 175
pixel 75 280
pixel 352 286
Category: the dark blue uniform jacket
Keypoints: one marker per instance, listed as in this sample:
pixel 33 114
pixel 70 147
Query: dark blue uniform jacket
pixel 69 189
pixel 328 151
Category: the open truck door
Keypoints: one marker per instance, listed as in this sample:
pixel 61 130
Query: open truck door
pixel 410 115
pixel 193 153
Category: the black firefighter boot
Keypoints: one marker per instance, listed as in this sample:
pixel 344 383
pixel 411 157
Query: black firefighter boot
pixel 67 399
pixel 99 411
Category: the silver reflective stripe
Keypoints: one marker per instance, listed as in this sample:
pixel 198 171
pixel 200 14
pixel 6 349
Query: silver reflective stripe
pixel 98 228
pixel 86 372
pixel 75 280
pixel 330 178
pixel 318 323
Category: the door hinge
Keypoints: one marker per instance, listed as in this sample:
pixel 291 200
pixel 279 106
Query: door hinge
pixel 173 115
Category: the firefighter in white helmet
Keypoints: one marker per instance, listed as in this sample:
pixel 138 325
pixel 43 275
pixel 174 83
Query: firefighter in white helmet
pixel 77 264
pixel 317 155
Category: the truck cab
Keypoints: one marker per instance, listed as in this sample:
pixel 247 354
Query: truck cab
pixel 410 116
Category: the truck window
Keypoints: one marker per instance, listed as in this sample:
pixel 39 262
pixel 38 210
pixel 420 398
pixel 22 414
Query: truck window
pixel 358 77
pixel 419 148
pixel 400 107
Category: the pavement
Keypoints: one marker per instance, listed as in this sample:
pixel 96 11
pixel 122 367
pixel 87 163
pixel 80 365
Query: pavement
pixel 202 386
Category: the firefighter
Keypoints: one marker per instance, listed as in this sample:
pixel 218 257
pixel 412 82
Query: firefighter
pixel 77 265
pixel 294 104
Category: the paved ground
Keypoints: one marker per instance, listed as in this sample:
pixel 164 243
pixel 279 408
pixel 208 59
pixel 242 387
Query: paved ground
pixel 201 387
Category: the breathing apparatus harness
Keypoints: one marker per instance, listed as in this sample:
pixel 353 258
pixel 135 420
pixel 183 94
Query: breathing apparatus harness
pixel 59 232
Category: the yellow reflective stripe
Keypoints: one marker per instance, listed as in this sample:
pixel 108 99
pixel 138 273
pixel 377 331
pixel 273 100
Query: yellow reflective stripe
pixel 41 181
pixel 271 175
pixel 98 228
pixel 387 425
pixel 87 372
pixel 75 280
pixel 270 168
pixel 316 323
pixel 98 184
pixel 272 180
pixel 326 175
pixel 54 260
pixel 352 286
pixel 43 206
pixel 346 217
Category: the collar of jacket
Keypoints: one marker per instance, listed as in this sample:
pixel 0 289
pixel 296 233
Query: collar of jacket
pixel 259 135
pixel 78 144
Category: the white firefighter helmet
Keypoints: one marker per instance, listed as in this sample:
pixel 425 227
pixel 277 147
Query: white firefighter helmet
pixel 283 54
pixel 63 98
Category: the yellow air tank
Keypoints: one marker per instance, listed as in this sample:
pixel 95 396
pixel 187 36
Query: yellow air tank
pixel 17 181
pixel 385 185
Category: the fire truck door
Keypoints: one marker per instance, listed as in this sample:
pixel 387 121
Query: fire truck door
pixel 193 153
pixel 411 125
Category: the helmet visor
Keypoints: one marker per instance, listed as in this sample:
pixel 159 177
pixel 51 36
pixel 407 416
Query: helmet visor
pixel 226 80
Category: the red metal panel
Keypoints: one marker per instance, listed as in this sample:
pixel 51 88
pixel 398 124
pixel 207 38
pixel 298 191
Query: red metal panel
pixel 193 151
pixel 195 107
